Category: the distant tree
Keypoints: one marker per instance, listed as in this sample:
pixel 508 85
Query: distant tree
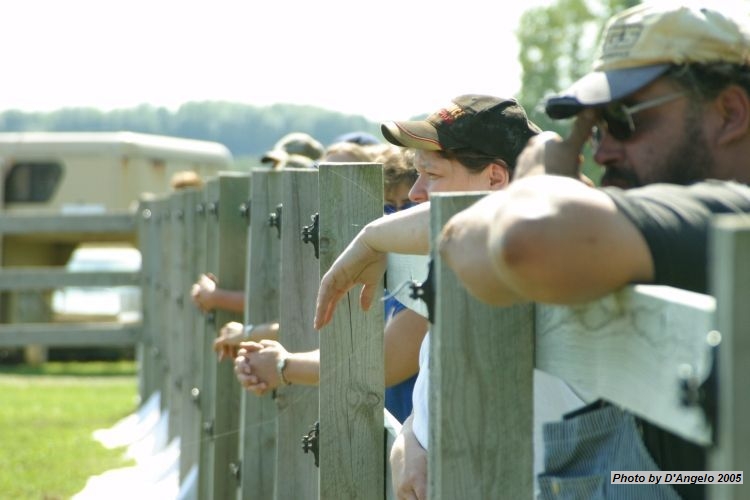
pixel 248 131
pixel 557 46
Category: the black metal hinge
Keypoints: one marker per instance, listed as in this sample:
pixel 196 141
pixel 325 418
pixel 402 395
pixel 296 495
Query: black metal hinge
pixel 425 291
pixel 310 441
pixel 274 219
pixel 311 234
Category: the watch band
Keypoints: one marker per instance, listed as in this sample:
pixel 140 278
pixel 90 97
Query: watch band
pixel 280 366
pixel 247 331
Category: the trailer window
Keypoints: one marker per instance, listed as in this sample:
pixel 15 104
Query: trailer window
pixel 32 182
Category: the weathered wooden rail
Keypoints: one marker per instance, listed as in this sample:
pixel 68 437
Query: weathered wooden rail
pixel 34 325
pixel 644 348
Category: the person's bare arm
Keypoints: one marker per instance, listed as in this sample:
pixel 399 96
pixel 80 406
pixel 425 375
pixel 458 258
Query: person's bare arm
pixel 256 362
pixel 264 331
pixel 234 333
pixel 464 246
pixel 364 260
pixel 557 240
pixel 550 154
pixel 403 337
pixel 229 300
pixel 256 366
pixel 548 239
pixel 408 464
pixel 207 295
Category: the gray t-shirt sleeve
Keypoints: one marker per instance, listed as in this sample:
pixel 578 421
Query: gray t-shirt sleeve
pixel 675 221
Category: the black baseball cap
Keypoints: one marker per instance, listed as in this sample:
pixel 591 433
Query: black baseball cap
pixel 483 124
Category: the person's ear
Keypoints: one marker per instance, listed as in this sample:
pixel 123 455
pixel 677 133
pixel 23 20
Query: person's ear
pixel 733 104
pixel 499 175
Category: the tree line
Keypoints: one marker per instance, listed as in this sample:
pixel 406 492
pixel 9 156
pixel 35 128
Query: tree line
pixel 245 129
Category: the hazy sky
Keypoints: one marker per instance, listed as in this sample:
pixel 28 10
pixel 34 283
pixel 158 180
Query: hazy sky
pixel 384 59
pixel 397 59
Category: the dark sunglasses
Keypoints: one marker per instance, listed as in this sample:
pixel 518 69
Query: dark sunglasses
pixel 617 119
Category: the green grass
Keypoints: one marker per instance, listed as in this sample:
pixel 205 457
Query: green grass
pixel 47 416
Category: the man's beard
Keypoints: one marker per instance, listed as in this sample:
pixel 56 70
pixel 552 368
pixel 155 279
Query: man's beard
pixel 689 161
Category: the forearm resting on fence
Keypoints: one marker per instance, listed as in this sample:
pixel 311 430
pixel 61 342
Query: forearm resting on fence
pixel 364 260
pixel 207 295
pixel 546 239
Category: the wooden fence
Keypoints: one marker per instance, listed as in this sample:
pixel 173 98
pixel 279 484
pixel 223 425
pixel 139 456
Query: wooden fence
pixel 239 442
pixel 25 289
pixel 645 348
pixel 649 349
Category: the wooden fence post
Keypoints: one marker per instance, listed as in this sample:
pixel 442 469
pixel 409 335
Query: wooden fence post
pixel 730 284
pixel 184 321
pixel 226 256
pixel 195 250
pixel 161 213
pixel 351 347
pixel 174 311
pixel 481 368
pixel 202 323
pixel 258 415
pixel 145 349
pixel 296 474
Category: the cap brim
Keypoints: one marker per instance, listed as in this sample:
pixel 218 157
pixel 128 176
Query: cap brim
pixel 274 156
pixel 601 87
pixel 299 161
pixel 414 134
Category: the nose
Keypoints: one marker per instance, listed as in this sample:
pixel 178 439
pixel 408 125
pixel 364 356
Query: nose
pixel 608 150
pixel 418 191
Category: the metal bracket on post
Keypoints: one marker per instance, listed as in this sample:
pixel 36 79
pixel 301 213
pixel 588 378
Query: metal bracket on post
pixel 274 219
pixel 704 395
pixel 235 468
pixel 311 234
pixel 310 441
pixel 425 291
pixel 213 208
pixel 245 210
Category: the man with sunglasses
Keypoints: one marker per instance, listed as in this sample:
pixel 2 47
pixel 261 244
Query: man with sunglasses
pixel 668 109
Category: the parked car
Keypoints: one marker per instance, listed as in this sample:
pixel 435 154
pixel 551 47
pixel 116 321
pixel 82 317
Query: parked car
pixel 118 303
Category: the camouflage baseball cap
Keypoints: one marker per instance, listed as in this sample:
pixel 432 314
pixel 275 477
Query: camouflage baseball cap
pixel 641 43
pixel 295 143
pixel 484 124
pixel 278 159
pixel 300 143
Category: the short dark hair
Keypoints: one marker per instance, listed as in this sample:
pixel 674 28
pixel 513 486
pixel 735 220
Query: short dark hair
pixel 473 161
pixel 706 80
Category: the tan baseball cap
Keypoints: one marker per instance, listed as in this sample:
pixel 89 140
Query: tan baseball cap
pixel 642 42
